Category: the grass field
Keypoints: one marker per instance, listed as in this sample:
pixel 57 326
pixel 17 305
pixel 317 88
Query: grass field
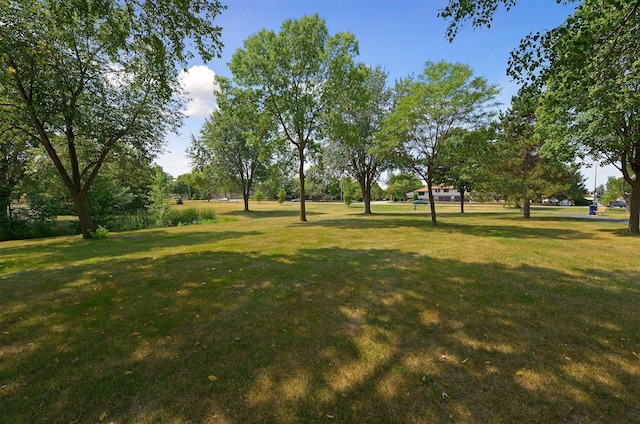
pixel 347 318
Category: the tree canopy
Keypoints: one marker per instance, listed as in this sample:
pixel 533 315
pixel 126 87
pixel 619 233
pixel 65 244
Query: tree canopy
pixel 588 68
pixel 477 12
pixel 87 79
pixel 237 142
pixel 431 109
pixel 353 126
pixel 592 97
pixel 297 73
pixel 520 170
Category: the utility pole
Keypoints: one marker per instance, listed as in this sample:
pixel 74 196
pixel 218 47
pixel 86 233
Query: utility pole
pixel 595 185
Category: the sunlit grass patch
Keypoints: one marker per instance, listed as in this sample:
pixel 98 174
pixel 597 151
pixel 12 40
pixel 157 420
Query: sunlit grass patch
pixel 345 318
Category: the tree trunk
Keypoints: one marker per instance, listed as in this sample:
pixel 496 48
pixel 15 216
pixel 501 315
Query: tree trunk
pixel 5 192
pixel 366 195
pixel 526 208
pixel 303 212
pixel 5 202
pixel 432 204
pixel 634 209
pixel 462 190
pixel 245 197
pixel 84 215
pixel 366 198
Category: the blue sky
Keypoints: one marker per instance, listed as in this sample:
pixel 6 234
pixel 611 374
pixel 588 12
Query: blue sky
pixel 399 35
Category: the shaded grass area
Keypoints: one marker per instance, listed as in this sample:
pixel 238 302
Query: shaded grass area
pixel 346 318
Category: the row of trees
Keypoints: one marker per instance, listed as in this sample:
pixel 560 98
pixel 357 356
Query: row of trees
pixel 94 82
pixel 586 71
pixel 302 88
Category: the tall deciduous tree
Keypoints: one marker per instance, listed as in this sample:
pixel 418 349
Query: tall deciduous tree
pixel 298 74
pixel 87 79
pixel 592 96
pixel 463 160
pixel 353 126
pixel 443 100
pixel 589 67
pixel 237 142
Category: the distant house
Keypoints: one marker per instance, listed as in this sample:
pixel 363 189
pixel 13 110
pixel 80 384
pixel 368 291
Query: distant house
pixel 441 194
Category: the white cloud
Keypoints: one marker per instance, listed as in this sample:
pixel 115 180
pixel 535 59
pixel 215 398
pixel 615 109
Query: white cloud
pixel 200 88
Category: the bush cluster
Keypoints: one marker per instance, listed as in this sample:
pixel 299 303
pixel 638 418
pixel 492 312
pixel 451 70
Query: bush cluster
pixel 19 228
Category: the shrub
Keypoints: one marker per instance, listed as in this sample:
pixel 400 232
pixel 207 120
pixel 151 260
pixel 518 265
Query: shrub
pixel 126 221
pixel 100 233
pixel 348 198
pixel 190 216
pixel 24 226
pixel 282 195
pixel 258 196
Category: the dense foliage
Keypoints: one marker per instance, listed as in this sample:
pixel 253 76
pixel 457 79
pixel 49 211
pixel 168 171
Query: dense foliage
pixel 588 69
pixel 87 80
pixel 445 99
pixel 297 74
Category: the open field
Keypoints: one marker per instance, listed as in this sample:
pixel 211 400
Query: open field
pixel 346 318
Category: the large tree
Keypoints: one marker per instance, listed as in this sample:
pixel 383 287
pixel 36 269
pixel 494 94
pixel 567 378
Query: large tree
pixel 463 160
pixel 353 126
pixel 298 74
pixel 443 100
pixel 592 96
pixel 519 169
pixel 237 142
pixel 589 67
pixel 87 79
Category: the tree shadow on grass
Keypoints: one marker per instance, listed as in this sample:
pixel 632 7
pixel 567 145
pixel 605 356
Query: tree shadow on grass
pixel 271 213
pixel 500 229
pixel 323 335
pixel 61 250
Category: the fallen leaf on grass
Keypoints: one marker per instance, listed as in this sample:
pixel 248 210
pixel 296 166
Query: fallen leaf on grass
pixel 212 377
pixel 103 416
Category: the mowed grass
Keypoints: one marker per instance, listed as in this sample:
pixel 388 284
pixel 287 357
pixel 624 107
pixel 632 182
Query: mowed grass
pixel 346 318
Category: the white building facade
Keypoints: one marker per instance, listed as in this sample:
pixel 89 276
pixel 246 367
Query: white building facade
pixel 441 194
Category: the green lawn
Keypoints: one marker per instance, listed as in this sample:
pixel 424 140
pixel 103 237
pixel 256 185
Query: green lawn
pixel 346 318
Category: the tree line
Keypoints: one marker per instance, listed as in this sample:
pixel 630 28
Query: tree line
pixel 299 96
pixel 87 87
